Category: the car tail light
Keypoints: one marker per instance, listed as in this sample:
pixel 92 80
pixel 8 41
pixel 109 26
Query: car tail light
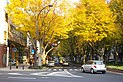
pixel 95 67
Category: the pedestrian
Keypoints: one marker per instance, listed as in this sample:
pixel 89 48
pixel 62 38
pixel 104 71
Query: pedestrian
pixel 17 64
pixel 30 62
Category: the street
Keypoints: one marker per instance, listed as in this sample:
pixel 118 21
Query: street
pixel 58 74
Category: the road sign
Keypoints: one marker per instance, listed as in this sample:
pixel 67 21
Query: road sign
pixel 33 51
pixel 14 49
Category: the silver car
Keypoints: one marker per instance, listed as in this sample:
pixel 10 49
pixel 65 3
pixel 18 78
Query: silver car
pixel 51 64
pixel 94 66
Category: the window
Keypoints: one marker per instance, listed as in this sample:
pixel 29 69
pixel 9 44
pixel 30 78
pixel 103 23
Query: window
pixel 98 62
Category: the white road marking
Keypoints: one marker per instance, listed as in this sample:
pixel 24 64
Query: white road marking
pixel 63 69
pixel 55 69
pixel 75 69
pixel 72 74
pixel 49 69
pixel 60 69
pixel 22 78
pixel 64 73
pixel 39 73
pixel 71 69
pixel 15 74
pixel 54 72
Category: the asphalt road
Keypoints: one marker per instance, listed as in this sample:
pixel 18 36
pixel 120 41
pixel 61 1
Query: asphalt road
pixel 67 74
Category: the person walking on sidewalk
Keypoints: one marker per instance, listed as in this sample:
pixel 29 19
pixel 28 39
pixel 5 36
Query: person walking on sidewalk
pixel 17 64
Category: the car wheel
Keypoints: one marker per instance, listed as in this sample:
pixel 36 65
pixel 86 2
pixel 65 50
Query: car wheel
pixel 82 69
pixel 103 72
pixel 92 71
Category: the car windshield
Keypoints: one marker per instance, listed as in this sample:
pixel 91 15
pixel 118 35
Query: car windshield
pixel 98 63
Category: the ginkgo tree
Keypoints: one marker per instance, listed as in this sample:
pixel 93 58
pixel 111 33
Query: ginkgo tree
pixel 93 20
pixel 116 7
pixel 44 24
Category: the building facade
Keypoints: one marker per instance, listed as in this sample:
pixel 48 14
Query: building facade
pixel 16 44
pixel 12 42
pixel 3 34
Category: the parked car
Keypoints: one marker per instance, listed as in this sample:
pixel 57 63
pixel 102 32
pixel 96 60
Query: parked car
pixel 94 66
pixel 51 64
pixel 65 63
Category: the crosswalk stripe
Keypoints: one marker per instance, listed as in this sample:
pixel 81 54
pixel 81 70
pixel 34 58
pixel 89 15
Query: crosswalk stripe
pixel 22 78
pixel 51 72
pixel 70 69
pixel 63 69
pixel 15 74
pixel 60 69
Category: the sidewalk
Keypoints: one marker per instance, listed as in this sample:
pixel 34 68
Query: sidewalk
pixel 20 68
pixel 115 70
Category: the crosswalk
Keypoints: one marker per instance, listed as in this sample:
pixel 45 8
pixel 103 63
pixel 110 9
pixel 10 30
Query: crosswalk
pixel 61 69
pixel 60 72
pixel 49 72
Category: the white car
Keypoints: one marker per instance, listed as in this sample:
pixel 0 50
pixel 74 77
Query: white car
pixel 94 66
pixel 51 64
pixel 65 64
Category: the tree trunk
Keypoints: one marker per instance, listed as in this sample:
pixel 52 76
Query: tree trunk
pixel 43 58
pixel 91 53
pixel 102 53
pixel 84 55
pixel 92 50
pixel 116 57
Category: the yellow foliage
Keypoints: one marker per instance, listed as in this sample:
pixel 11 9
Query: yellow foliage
pixel 93 20
pixel 23 14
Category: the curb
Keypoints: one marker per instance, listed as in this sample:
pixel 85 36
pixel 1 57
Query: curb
pixel 115 70
pixel 20 69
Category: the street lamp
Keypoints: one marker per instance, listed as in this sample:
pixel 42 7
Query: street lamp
pixel 38 17
pixel 43 9
pixel 37 33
